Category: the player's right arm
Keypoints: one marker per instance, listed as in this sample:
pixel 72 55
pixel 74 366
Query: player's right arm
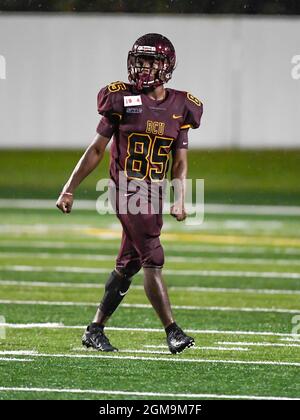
pixel 87 163
pixel 110 106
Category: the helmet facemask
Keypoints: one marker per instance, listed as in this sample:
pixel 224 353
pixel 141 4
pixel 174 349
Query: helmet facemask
pixel 149 70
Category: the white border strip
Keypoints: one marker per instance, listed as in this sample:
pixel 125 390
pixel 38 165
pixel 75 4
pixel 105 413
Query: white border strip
pixel 140 394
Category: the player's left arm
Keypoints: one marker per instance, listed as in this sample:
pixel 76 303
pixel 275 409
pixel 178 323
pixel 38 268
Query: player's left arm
pixel 193 109
pixel 179 173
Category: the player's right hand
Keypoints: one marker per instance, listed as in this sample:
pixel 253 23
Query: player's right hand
pixel 178 211
pixel 65 203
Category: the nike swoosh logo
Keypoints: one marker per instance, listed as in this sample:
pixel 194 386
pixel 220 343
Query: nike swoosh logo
pixel 123 294
pixel 127 194
pixel 176 116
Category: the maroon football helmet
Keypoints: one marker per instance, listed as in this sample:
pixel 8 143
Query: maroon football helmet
pixel 151 61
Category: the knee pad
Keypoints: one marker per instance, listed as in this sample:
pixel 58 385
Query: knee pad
pixel 131 268
pixel 155 258
pixel 116 288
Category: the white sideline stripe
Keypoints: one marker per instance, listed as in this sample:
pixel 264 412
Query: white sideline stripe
pixel 140 394
pixel 74 285
pixel 147 306
pixel 165 359
pixel 228 249
pixel 56 325
pixel 171 258
pixel 209 208
pixel 233 343
pixel 203 273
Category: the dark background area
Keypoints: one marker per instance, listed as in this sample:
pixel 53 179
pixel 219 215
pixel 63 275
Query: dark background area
pixel 271 7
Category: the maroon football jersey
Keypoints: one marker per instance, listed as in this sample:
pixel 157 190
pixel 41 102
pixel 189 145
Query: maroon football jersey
pixel 144 130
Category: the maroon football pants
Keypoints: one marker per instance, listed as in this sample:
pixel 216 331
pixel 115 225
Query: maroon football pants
pixel 140 245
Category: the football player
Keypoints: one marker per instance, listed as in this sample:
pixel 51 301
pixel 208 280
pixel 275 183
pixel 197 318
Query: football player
pixel 148 123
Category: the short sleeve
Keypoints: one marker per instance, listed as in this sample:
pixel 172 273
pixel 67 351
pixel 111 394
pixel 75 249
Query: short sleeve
pixel 193 112
pixel 193 109
pixel 106 128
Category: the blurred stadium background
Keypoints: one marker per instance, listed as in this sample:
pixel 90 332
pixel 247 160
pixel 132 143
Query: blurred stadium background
pixel 239 272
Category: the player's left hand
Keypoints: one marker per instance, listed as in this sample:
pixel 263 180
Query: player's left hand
pixel 178 211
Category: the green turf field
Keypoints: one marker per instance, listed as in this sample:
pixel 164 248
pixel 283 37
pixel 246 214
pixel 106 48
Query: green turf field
pixel 234 285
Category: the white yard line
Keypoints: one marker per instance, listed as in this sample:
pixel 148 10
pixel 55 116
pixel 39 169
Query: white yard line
pixel 140 394
pixel 202 273
pixel 252 209
pixel 56 325
pixel 33 325
pixel 217 348
pixel 194 348
pixel 171 258
pixel 238 343
pixel 98 246
pixel 217 308
pixel 12 359
pixel 24 203
pixel 42 228
pixel 292 339
pixel 74 285
pixel 148 306
pixel 200 348
pixel 143 351
pixel 164 359
pixel 18 352
pixel 209 208
pixel 58 245
pixel 30 268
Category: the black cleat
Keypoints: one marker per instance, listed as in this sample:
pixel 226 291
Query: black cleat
pixel 178 341
pixel 95 338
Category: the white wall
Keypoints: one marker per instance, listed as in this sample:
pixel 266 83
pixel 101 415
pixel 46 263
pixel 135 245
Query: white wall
pixel 239 67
